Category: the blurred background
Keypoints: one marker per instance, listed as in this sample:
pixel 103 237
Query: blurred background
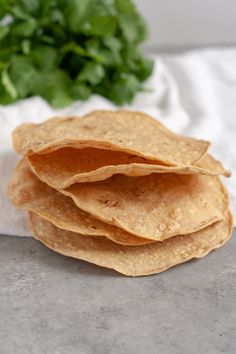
pixel 184 24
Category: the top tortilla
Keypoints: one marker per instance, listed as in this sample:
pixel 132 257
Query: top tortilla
pixel 66 166
pixel 132 132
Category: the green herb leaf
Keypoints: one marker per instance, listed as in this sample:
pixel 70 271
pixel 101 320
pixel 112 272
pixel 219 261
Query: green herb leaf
pixel 81 91
pixel 76 13
pixel 30 6
pixel 44 57
pixel 54 86
pixel 19 13
pixel 64 50
pixel 124 89
pixel 23 75
pixel 24 28
pixel 8 85
pixel 125 6
pixel 104 26
pixel 113 53
pixel 25 45
pixel 143 68
pixel 4 32
pixel 92 73
pixel 133 28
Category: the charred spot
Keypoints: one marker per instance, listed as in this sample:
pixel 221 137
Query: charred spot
pixel 108 202
pixel 88 126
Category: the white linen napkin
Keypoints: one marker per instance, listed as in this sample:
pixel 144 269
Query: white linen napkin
pixel 192 93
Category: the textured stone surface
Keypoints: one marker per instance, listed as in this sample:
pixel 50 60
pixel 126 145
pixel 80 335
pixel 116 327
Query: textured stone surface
pixel 52 304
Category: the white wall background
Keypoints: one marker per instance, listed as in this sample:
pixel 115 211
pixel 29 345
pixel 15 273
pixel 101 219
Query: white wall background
pixel 189 23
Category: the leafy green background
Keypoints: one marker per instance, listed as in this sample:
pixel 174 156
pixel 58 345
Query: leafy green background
pixel 65 50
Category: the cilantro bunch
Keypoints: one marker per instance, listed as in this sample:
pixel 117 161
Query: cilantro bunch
pixel 65 50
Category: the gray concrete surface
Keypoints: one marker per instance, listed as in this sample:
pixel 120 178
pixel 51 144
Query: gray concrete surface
pixel 52 304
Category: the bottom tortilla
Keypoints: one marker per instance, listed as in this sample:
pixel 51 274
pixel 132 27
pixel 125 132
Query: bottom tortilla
pixel 133 260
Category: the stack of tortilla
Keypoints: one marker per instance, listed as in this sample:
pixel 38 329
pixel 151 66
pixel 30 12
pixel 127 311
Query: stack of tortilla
pixel 120 190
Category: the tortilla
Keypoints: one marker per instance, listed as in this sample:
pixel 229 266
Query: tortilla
pixel 67 166
pixel 135 260
pixel 126 131
pixel 28 192
pixel 156 207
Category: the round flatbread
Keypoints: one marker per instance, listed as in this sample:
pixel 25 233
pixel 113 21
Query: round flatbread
pixel 28 192
pixel 64 167
pixel 135 260
pixel 156 207
pixel 125 131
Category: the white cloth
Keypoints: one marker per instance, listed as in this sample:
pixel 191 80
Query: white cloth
pixel 192 93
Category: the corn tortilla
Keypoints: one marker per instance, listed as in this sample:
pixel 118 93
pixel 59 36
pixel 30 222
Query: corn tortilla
pixel 28 192
pixel 135 260
pixel 126 131
pixel 67 166
pixel 155 207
